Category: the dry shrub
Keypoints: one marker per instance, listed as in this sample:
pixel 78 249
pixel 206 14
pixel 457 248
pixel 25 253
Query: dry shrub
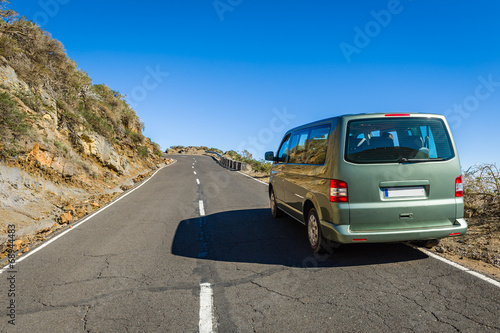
pixel 482 189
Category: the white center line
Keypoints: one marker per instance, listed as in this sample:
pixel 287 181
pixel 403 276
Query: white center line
pixel 206 312
pixel 197 181
pixel 202 209
pixel 194 172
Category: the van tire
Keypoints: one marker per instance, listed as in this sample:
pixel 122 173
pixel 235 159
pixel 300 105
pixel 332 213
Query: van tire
pixel 314 234
pixel 275 211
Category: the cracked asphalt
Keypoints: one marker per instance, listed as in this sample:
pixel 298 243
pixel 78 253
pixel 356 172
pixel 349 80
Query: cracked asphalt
pixel 137 267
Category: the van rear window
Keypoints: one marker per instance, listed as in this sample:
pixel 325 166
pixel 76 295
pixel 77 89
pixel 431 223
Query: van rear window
pixel 397 140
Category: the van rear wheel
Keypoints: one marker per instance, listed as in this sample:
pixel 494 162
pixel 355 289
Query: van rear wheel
pixel 314 234
pixel 275 211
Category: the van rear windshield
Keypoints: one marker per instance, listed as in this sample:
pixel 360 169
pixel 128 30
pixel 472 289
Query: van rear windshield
pixel 397 140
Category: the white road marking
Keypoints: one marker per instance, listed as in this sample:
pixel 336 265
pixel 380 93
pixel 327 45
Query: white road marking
pixel 206 308
pixel 192 167
pixel 197 181
pixel 460 267
pixel 194 172
pixel 18 260
pixel 260 181
pixel 202 209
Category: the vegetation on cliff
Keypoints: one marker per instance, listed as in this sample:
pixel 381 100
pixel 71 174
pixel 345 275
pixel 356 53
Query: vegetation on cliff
pixel 40 84
pixel 67 146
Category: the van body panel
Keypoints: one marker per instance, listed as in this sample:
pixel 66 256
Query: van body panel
pixel 371 209
pixel 344 235
pixel 302 180
pixel 400 174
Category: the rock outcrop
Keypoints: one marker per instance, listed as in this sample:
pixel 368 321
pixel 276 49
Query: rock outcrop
pixel 67 146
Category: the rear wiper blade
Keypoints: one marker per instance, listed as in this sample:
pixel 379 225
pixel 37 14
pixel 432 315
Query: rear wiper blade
pixel 419 160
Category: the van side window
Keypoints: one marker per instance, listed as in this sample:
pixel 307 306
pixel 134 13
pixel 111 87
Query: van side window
pixel 317 144
pixel 283 151
pixel 298 147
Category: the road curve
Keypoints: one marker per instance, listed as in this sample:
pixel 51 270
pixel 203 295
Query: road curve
pixel 141 265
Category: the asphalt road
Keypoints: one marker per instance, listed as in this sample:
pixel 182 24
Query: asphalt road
pixel 138 266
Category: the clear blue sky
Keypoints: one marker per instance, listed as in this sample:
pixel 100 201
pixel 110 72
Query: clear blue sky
pixel 235 74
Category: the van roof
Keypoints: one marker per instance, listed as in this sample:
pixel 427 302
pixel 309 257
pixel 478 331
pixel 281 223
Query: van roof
pixel 364 116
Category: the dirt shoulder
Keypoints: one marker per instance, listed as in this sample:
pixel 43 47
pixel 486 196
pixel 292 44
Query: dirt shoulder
pixel 478 249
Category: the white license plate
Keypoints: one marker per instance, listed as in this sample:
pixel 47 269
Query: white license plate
pixel 402 192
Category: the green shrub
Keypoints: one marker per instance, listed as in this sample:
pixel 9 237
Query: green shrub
pixel 97 123
pixel 12 124
pixel 60 146
pixel 142 151
pixel 136 137
pixel 10 117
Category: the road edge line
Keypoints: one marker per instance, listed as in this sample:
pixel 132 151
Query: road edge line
pixel 460 267
pixel 260 181
pixel 27 255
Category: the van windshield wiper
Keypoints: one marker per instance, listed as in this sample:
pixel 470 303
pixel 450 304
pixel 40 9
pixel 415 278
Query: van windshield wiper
pixel 419 160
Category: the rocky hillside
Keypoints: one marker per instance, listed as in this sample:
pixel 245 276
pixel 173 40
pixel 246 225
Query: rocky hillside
pixel 66 145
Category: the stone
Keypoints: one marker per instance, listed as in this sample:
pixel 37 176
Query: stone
pixel 43 157
pixel 65 218
pixel 68 208
pixel 17 244
pixel 96 145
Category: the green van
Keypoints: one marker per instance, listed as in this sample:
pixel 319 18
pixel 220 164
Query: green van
pixel 370 178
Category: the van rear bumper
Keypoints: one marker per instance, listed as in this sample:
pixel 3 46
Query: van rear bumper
pixel 343 234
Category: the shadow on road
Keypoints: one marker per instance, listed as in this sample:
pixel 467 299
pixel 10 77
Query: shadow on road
pixel 253 236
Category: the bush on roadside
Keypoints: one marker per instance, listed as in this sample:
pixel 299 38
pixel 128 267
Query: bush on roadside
pixel 259 166
pixel 482 189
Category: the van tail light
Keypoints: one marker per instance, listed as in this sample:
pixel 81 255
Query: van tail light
pixel 459 187
pixel 338 191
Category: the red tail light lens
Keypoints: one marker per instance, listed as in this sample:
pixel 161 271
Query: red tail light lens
pixel 397 115
pixel 459 187
pixel 338 191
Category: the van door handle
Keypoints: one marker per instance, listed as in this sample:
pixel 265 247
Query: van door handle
pixel 406 215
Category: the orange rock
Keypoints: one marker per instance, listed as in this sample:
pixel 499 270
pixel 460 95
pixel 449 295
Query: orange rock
pixel 26 250
pixel 36 149
pixel 17 244
pixel 68 208
pixel 65 218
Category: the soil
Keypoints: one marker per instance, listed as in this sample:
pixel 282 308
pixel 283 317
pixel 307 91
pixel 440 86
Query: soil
pixel 478 249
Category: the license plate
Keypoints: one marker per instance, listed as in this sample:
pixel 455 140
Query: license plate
pixel 403 192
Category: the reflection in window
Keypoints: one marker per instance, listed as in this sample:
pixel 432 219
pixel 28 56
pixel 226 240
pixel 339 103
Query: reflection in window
pixel 316 145
pixel 298 147
pixel 282 153
pixel 309 146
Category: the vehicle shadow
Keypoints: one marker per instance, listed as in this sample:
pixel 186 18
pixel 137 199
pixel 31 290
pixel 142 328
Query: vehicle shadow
pixel 253 236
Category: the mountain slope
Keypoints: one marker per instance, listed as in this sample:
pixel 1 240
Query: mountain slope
pixel 64 142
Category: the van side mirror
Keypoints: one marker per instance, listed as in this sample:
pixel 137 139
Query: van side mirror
pixel 269 156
